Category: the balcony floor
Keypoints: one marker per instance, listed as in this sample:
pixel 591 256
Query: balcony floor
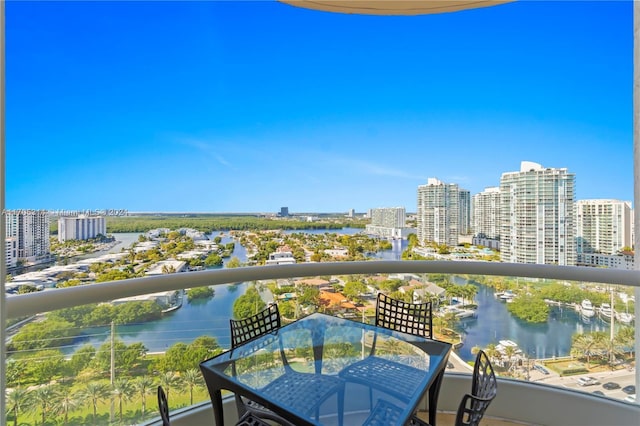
pixel 449 419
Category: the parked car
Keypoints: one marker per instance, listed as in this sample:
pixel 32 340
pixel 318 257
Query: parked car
pixel 611 386
pixel 630 398
pixel 587 381
pixel 598 392
pixel 629 390
pixel 542 369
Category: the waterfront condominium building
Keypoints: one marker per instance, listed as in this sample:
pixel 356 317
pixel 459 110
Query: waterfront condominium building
pixel 389 222
pixel 438 218
pixel 464 219
pixel 486 213
pixel 538 216
pixel 602 226
pixel 80 227
pixel 30 228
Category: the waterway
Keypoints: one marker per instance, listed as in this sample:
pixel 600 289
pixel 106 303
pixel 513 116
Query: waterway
pixel 493 323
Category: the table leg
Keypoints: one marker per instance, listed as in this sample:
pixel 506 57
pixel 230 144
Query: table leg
pixel 217 407
pixel 434 391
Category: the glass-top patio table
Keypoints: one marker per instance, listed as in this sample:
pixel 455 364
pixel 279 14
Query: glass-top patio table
pixel 324 370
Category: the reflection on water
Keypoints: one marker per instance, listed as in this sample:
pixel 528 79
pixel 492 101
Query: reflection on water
pixel 494 323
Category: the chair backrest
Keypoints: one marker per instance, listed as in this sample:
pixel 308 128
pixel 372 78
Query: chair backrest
pixel 257 325
pixel 412 318
pixel 483 389
pixel 163 406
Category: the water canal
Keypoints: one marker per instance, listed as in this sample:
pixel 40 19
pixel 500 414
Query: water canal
pixel 493 323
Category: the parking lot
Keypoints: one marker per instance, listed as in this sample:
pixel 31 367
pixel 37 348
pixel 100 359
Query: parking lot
pixel 621 377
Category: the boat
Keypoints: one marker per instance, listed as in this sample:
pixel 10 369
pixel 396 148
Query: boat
pixel 606 311
pixel 460 312
pixel 586 308
pixel 504 344
pixel 625 317
pixel 507 296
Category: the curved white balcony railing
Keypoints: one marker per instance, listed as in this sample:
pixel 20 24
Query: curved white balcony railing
pixel 33 303
pixel 518 401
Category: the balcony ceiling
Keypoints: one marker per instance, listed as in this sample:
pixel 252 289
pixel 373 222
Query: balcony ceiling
pixel 393 7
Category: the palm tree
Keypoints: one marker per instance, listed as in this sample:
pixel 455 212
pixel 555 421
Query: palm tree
pixel 65 402
pixel 509 353
pixel 17 398
pixel 95 391
pixel 42 398
pixel 169 380
pixel 585 345
pixel 143 386
pixel 626 337
pixel 123 390
pixel 192 378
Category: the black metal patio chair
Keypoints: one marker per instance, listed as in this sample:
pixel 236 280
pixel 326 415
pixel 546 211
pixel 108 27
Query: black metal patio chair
pixel 484 389
pixel 163 407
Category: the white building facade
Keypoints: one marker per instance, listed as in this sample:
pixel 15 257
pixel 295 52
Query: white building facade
pixel 30 228
pixel 388 222
pixel 464 217
pixel 81 227
pixel 438 218
pixel 538 216
pixel 11 252
pixel 603 226
pixel 486 213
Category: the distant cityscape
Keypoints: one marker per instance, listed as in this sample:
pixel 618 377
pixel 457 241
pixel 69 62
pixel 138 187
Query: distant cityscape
pixel 530 217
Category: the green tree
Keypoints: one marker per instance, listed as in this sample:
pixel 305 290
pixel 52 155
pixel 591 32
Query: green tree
pixel 123 390
pixel 81 359
pixel 213 260
pixel 42 398
pixel 234 262
pixel 168 381
pixel 65 402
pixel 205 292
pixel 353 290
pixel 248 304
pixel 585 346
pixel 16 399
pixel 143 386
pixel 192 378
pixel 95 392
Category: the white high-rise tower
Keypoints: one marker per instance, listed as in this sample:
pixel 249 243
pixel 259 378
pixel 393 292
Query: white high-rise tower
pixel 538 216
pixel 603 226
pixel 438 212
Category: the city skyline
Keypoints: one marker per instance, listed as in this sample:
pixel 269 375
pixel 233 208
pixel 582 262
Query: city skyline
pixel 250 106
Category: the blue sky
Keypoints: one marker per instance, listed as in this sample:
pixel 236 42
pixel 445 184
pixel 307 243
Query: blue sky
pixel 240 106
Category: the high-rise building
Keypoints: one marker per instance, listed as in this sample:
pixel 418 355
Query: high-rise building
pixel 30 228
pixel 80 227
pixel 391 217
pixel 602 226
pixel 538 216
pixel 11 252
pixel 464 225
pixel 389 222
pixel 284 211
pixel 486 213
pixel 438 218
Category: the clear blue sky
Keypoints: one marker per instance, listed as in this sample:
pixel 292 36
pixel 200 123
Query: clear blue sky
pixel 240 106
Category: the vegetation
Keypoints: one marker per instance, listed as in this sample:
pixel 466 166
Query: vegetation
pixel 529 308
pixel 210 223
pixel 200 293
pixel 248 304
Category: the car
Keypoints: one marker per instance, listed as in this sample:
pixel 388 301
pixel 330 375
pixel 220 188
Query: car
pixel 598 392
pixel 449 365
pixel 611 386
pixel 630 398
pixel 629 390
pixel 587 381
